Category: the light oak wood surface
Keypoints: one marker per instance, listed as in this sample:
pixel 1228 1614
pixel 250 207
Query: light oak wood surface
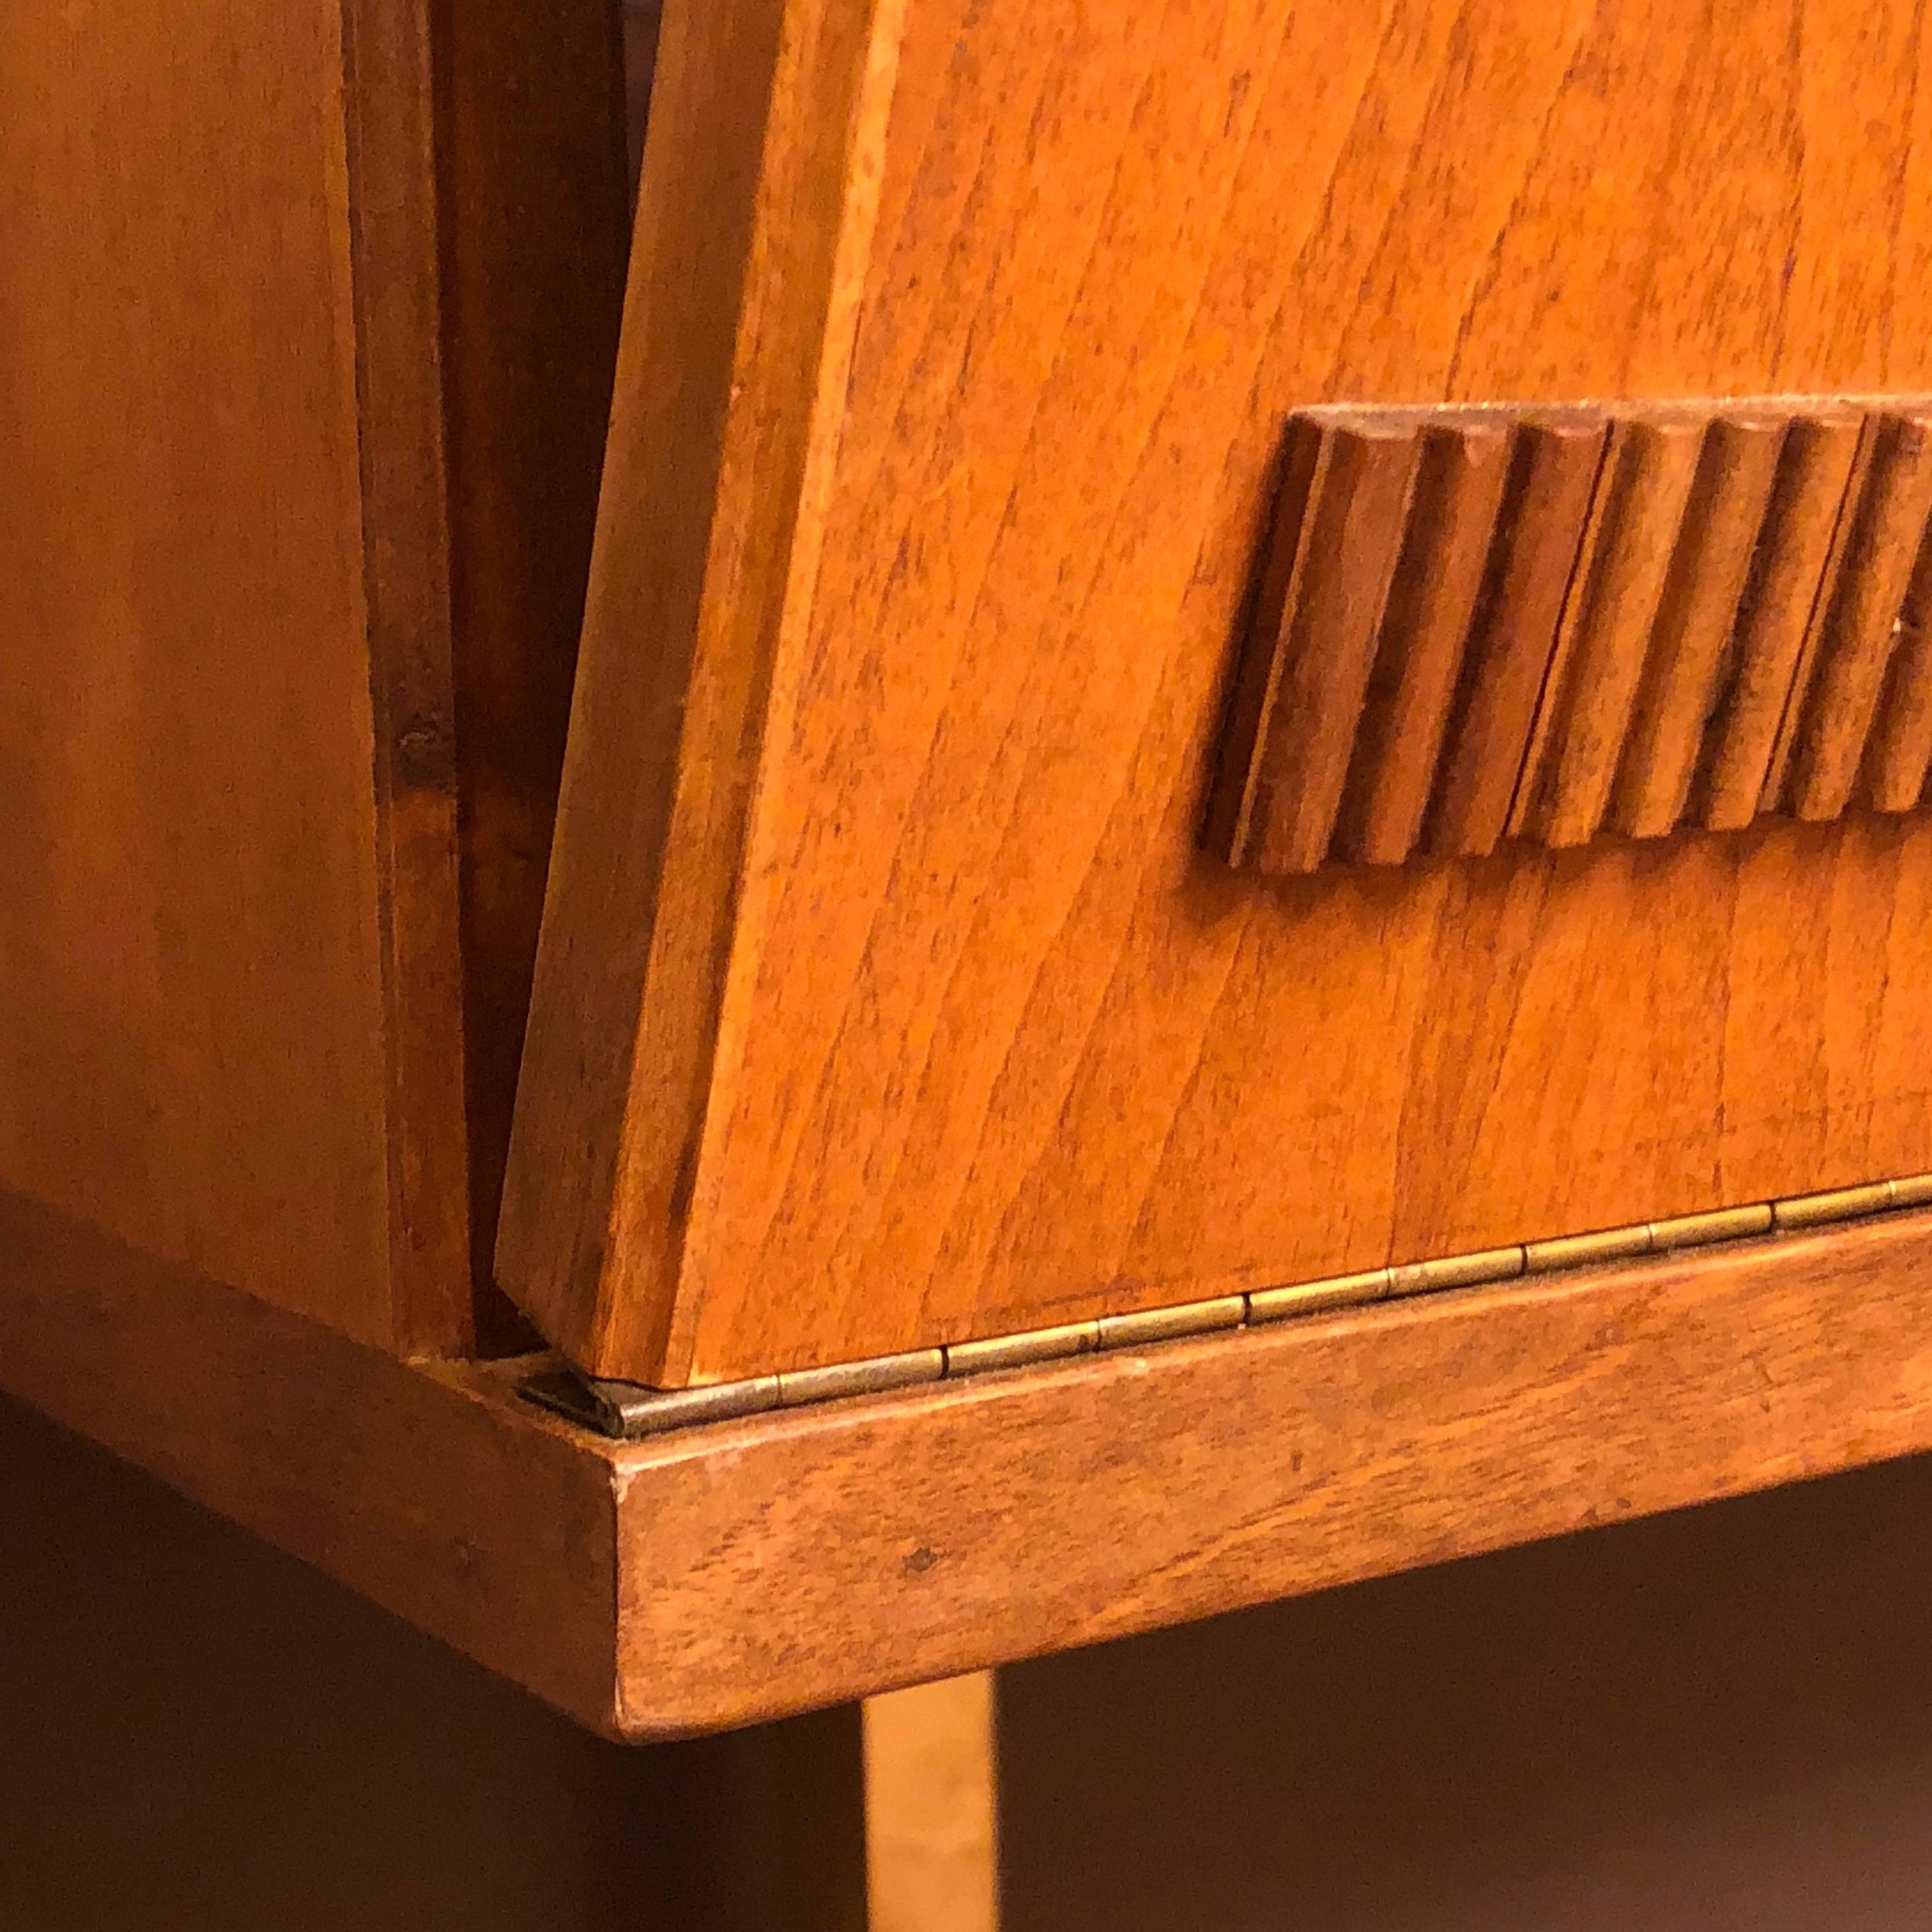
pixel 932 1808
pixel 741 1571
pixel 884 997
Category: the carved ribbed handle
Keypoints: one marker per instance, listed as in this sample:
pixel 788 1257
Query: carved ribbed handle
pixel 1551 624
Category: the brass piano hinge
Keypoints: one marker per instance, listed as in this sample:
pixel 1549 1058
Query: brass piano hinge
pixel 628 1411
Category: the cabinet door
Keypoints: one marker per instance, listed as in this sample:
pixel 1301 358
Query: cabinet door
pixel 896 987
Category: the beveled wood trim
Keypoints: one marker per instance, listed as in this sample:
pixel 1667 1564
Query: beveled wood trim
pixel 739 325
pixel 732 1574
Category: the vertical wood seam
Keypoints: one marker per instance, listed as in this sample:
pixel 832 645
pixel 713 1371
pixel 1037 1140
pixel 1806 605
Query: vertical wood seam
pixel 395 284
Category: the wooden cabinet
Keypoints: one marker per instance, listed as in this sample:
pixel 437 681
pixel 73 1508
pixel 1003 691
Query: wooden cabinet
pixel 896 990
pixel 1238 895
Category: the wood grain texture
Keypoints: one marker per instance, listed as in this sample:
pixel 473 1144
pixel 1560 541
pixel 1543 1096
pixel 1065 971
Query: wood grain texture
pixel 1422 647
pixel 1694 618
pixel 1795 546
pixel 918 1535
pixel 427 1486
pixel 535 207
pixel 1326 591
pixel 738 316
pixel 193 1004
pixel 276 809
pixel 1513 632
pixel 1615 588
pixel 734 1572
pixel 391 201
pixel 1900 748
pixel 1858 627
pixel 923 1016
pixel 1683 660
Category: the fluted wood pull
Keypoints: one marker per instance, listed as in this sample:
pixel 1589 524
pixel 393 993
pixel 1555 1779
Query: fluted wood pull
pixel 1696 624
pixel 1459 479
pixel 1628 547
pixel 1833 718
pixel 1345 501
pixel 1553 476
pixel 1795 546
pixel 1552 624
pixel 1901 749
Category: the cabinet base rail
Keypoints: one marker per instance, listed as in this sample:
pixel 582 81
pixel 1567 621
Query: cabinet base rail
pixel 629 1412
pixel 707 1578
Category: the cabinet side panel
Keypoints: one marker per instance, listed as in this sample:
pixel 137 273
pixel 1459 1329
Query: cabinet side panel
pixel 191 1048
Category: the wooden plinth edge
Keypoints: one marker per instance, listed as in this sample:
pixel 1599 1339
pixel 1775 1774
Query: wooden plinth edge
pixel 756 1568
